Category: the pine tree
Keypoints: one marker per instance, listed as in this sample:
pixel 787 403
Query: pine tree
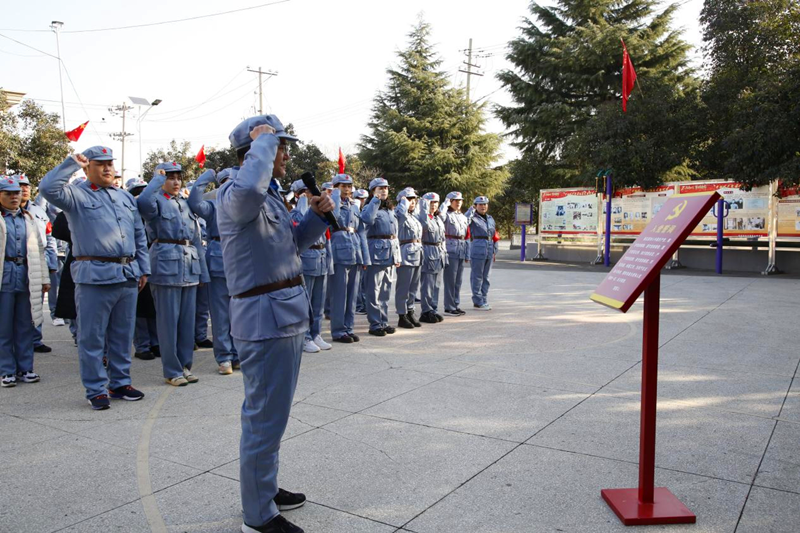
pixel 424 134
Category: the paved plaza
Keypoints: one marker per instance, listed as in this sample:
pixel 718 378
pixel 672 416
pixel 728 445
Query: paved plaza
pixel 507 421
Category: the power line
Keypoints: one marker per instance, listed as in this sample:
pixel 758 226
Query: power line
pixel 79 99
pixel 20 55
pixel 175 113
pixel 212 112
pixel 28 46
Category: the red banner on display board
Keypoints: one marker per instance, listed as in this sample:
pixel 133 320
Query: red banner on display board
pixel 652 249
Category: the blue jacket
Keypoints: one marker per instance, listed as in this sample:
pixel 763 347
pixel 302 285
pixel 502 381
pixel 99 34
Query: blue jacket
pixel 207 210
pixel 170 218
pixel 409 234
pixel 104 222
pixel 434 249
pixel 15 275
pixel 455 225
pixel 316 260
pixel 261 245
pixel 346 244
pixel 379 220
pixel 481 230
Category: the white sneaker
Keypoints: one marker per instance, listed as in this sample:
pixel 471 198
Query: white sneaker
pixel 484 307
pixel 321 344
pixel 225 368
pixel 59 322
pixel 28 377
pixel 310 346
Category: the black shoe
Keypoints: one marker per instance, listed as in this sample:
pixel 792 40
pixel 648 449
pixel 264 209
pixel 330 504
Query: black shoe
pixel 438 317
pixel 404 322
pixel 460 311
pixel 345 339
pixel 286 501
pixel 205 343
pixel 428 318
pixel 155 350
pixel 327 316
pixel 100 403
pixel 355 337
pixel 42 348
pixel 277 525
pixel 126 393
pixel 144 356
pixel 452 312
pixel 389 330
pixel 378 332
pixel 413 319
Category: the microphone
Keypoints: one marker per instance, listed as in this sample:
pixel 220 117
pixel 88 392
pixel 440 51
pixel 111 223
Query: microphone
pixel 311 184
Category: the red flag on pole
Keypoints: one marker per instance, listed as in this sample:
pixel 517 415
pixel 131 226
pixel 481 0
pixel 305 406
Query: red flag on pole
pixel 341 161
pixel 74 135
pixel 201 156
pixel 628 76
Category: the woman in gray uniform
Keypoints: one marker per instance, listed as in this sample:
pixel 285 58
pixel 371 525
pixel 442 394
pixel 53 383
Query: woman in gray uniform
pixel 409 233
pixel 434 256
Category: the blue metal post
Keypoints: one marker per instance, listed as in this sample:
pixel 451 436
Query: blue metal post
pixel 607 259
pixel 522 249
pixel 720 222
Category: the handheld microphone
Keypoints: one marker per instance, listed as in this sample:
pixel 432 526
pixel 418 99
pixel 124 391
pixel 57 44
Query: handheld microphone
pixel 311 183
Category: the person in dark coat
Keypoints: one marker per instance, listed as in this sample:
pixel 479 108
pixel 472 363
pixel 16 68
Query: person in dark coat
pixel 65 303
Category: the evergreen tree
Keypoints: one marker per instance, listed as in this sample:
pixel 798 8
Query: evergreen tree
pixel 424 134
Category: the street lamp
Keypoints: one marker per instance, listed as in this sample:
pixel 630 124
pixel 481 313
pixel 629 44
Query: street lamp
pixel 140 102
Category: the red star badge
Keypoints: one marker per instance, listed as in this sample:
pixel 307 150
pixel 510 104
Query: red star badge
pixel 105 151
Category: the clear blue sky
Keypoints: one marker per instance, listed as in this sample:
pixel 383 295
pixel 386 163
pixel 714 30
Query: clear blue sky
pixel 330 55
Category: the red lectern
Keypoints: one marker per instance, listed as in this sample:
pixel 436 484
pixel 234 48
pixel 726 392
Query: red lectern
pixel 639 270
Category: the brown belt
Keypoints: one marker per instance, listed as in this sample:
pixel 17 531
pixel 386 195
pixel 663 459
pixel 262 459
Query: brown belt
pixel 348 229
pixel 381 237
pixel 120 260
pixel 213 238
pixel 171 241
pixel 432 243
pixel 456 237
pixel 17 260
pixel 271 287
pixel 410 241
pixel 483 238
pixel 317 247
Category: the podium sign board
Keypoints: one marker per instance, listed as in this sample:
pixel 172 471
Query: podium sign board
pixel 639 271
pixel 523 214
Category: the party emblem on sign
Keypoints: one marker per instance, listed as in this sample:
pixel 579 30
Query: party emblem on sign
pixel 678 210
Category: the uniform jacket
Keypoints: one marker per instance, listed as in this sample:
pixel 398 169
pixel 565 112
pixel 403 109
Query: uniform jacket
pixel 261 245
pixel 347 245
pixel 316 261
pixel 434 250
pixel 379 220
pixel 206 208
pixel 170 218
pixel 37 264
pixel 482 245
pixel 455 225
pixel 409 228
pixel 104 222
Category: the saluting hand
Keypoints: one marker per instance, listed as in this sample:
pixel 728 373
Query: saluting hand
pixel 320 204
pixel 81 159
pixel 261 130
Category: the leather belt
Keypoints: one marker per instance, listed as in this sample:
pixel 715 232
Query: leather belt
pixel 317 247
pixel 483 237
pixel 410 241
pixel 17 260
pixel 120 260
pixel 213 239
pixel 381 237
pixel 172 241
pixel 348 229
pixel 455 237
pixel 271 287
pixel 432 243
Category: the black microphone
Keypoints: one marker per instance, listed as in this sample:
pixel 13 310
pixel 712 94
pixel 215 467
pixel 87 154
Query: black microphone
pixel 311 184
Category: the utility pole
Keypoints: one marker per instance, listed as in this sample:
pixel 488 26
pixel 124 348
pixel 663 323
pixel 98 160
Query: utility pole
pixel 56 26
pixel 122 135
pixel 260 83
pixel 470 66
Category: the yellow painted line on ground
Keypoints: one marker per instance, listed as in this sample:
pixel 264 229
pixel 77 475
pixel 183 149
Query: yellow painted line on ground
pixel 151 510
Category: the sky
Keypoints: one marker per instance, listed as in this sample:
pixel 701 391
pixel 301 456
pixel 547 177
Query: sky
pixel 330 57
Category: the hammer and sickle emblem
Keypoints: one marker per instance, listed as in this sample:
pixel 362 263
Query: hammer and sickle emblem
pixel 678 210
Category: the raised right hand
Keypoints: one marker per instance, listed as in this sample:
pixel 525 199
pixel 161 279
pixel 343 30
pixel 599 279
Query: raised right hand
pixel 261 130
pixel 81 159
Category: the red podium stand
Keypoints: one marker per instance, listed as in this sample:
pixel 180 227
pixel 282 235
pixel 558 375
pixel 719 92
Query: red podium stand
pixel 639 270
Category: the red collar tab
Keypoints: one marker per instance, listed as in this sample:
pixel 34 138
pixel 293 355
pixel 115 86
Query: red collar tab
pixel 167 196
pixel 94 187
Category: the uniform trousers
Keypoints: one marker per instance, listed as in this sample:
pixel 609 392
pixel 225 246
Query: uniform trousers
pixel 201 313
pixel 16 333
pixel 52 295
pixel 361 296
pixel 175 315
pixel 315 286
pixel 431 283
pixel 479 279
pixel 220 302
pixel 453 274
pixel 107 317
pixel 407 287
pixel 328 293
pixel 270 369
pixel 343 299
pixel 379 290
pixel 145 336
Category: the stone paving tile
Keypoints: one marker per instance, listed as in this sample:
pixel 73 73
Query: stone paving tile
pixel 780 468
pixel 129 518
pixel 770 511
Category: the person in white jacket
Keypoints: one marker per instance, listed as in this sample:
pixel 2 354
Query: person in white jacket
pixel 25 279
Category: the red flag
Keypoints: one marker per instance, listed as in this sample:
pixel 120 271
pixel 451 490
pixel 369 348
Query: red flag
pixel 201 156
pixel 341 161
pixel 74 135
pixel 628 77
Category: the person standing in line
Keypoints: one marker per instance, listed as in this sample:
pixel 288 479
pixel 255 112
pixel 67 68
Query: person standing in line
pixel 61 255
pixel 327 187
pixel 203 305
pixel 361 296
pixel 316 265
pixel 409 234
pixel 483 250
pixel 455 226
pixel 380 225
pixel 270 309
pixel 111 267
pixel 219 300
pixel 178 268
pixel 434 257
pixel 25 279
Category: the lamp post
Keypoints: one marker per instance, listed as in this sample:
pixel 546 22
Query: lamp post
pixel 140 102
pixel 56 27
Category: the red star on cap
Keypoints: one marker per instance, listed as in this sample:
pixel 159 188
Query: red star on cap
pixel 174 164
pixel 105 151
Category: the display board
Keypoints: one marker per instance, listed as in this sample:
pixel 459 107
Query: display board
pixel 523 214
pixel 749 210
pixel 568 212
pixel 633 208
pixel 789 212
